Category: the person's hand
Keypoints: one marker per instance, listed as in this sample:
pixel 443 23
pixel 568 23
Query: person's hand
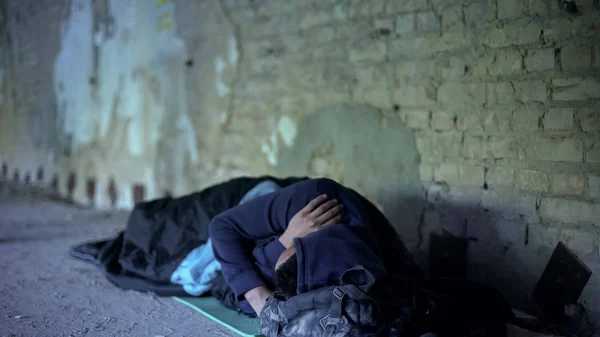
pixel 318 213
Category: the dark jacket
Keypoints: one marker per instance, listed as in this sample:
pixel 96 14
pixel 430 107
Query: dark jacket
pixel 246 266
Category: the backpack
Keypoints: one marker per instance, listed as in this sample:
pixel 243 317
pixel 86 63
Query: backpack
pixel 346 310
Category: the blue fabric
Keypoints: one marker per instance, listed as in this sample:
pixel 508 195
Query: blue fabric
pixel 234 231
pixel 200 266
pixel 263 188
pixel 197 270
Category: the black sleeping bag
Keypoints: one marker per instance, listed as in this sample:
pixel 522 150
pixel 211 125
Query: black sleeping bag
pixel 160 233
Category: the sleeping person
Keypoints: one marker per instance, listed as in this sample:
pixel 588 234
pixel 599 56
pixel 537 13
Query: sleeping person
pixel 318 230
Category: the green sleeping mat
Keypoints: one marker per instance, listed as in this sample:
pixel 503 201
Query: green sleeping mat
pixel 213 309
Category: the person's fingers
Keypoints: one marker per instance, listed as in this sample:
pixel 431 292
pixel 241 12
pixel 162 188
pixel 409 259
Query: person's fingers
pixel 313 204
pixel 335 220
pixel 324 207
pixel 330 214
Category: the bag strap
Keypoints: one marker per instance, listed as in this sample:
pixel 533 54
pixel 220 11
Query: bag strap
pixel 339 293
pixel 335 317
pixel 316 299
pixel 353 291
pixel 352 275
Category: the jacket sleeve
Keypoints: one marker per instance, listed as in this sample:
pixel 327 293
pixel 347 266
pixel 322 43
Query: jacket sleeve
pixel 235 232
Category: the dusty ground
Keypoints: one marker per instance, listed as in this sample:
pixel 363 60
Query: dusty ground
pixel 45 292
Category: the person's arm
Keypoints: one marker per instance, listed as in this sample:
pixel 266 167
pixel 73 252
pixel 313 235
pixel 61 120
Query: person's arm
pixel 257 298
pixel 235 231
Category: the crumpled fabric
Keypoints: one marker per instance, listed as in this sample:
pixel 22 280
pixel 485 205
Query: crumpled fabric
pixel 197 270
pixel 200 267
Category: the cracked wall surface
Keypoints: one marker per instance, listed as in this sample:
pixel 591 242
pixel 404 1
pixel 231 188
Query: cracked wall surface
pixel 478 118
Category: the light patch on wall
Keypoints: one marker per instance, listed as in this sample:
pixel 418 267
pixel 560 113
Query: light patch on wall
pixel 123 92
pixel 124 196
pixel 185 124
pixel 222 89
pixel 73 67
pixel 140 81
pixel 151 190
pixel 338 12
pixel 224 117
pixel 101 198
pixel 220 65
pixel 233 51
pixel 287 130
pixel 99 38
pixel 135 137
pixel 270 148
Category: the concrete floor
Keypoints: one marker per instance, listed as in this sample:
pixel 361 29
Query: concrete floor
pixel 45 292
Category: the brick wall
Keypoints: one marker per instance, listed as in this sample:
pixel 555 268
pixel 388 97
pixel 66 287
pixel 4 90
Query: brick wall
pixel 503 97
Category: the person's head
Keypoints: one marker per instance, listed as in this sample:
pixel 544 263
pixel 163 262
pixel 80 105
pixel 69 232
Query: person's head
pixel 286 273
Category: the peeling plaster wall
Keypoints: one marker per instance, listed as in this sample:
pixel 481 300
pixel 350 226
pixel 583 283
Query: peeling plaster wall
pixel 116 80
pixel 113 116
pixel 214 68
pixel 132 99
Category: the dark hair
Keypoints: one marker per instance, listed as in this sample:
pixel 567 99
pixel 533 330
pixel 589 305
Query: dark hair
pixel 286 277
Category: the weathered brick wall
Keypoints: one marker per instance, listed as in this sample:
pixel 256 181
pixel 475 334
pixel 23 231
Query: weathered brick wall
pixel 503 97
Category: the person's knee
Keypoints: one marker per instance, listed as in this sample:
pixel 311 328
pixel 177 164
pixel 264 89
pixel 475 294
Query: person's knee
pixel 215 227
